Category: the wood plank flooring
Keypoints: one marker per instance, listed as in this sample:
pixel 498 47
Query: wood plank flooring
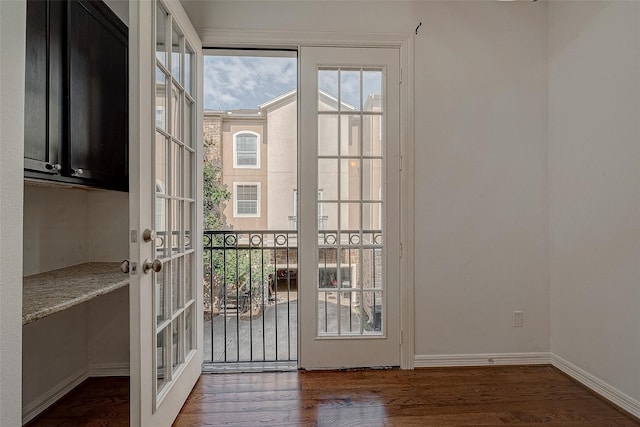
pixel 95 402
pixel 482 396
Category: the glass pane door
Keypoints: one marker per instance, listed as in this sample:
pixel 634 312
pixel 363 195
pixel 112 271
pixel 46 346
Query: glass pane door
pixel 165 55
pixel 350 176
pixel 350 182
pixel 174 203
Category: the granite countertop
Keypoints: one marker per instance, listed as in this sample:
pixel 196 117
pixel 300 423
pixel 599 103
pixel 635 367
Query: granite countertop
pixel 47 293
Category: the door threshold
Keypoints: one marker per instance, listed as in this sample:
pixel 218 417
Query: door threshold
pixel 249 367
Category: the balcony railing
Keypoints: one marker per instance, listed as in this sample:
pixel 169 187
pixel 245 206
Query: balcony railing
pixel 250 294
pixel 251 283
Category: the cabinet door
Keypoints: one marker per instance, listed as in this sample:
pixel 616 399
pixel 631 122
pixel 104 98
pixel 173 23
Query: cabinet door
pixel 98 112
pixel 43 128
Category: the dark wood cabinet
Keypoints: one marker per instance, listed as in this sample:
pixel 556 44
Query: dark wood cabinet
pixel 44 87
pixel 76 106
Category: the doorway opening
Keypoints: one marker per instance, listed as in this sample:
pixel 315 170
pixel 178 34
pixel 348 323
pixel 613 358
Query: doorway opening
pixel 250 210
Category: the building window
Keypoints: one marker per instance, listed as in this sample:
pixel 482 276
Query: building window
pixel 246 150
pixel 322 219
pixel 246 199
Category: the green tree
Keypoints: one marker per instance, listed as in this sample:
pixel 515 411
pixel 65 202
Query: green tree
pixel 237 269
pixel 216 195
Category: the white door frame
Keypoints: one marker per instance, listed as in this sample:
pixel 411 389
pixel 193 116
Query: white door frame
pixel 405 43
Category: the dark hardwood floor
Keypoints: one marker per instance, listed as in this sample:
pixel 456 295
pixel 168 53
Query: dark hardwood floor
pixel 95 402
pixel 483 396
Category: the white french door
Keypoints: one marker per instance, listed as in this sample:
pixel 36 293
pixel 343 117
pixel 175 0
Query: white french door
pixel 165 210
pixel 349 273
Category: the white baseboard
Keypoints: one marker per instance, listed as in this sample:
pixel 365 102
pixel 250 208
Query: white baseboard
pixel 33 409
pixel 598 386
pixel 39 405
pixel 444 360
pixel 109 369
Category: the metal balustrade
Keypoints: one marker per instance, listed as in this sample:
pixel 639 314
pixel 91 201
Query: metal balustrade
pixel 250 296
pixel 251 292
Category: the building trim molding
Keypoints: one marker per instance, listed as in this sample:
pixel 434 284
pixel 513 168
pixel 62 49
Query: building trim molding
pixel 598 386
pixel 109 369
pixel 41 403
pixel 44 401
pixel 407 205
pixel 485 359
pixel 292 40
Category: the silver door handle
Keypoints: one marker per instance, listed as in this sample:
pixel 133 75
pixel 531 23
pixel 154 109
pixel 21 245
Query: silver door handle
pixel 148 235
pixel 124 266
pixel 155 265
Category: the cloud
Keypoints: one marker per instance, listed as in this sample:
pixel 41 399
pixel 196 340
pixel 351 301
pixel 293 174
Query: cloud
pixel 232 82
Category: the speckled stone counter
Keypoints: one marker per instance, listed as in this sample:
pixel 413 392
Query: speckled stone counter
pixel 47 293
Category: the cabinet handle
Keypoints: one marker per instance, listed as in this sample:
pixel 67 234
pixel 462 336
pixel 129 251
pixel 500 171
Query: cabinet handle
pixel 78 171
pixel 156 266
pixel 53 166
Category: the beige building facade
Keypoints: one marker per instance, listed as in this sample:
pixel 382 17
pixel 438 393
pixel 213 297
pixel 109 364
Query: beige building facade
pixel 264 185
pixel 258 153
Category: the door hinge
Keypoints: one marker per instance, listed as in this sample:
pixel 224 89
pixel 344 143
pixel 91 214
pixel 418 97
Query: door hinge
pixel 400 250
pixel 401 337
pixel 134 236
pixel 400 82
pixel 401 163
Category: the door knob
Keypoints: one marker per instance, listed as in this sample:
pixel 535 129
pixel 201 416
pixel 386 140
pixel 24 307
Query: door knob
pixel 124 266
pixel 148 235
pixel 155 265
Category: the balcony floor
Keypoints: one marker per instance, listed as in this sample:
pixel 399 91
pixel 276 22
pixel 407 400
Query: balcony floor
pixel 253 341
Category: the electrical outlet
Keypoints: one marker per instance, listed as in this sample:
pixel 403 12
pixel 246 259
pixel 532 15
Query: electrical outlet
pixel 518 319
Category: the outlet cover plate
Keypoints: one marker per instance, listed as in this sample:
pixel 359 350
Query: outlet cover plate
pixel 518 319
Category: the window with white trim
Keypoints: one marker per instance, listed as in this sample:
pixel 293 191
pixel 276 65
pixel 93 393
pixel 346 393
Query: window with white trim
pixel 246 199
pixel 246 150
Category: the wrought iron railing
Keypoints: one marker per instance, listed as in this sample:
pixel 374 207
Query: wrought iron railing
pixel 250 296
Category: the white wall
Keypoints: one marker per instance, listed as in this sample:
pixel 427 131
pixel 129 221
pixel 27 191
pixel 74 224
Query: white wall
pixel 304 16
pixel 108 331
pixel 56 228
pixel 67 226
pixel 594 139
pixel 54 350
pixel 120 8
pixel 108 216
pixel 481 192
pixel 481 147
pixel 12 48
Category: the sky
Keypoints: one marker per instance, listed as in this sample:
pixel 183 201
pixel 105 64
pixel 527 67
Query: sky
pixel 239 82
pixel 232 82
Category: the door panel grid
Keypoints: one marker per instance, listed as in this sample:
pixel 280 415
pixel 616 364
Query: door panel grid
pixel 349 106
pixel 350 171
pixel 174 206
